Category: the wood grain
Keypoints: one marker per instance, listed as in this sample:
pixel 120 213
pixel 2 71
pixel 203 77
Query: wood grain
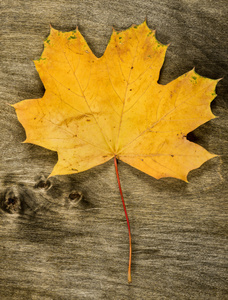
pixel 66 237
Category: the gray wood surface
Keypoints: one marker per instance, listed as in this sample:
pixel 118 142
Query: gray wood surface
pixel 66 237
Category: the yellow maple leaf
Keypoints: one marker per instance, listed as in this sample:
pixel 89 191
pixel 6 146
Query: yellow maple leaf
pixel 96 108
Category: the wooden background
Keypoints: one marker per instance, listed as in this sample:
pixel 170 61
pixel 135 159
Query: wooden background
pixel 66 237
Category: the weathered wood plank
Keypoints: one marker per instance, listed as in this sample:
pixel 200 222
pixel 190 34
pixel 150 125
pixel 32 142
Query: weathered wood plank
pixel 67 237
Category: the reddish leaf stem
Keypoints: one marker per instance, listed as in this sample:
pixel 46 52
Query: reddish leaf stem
pixel 128 224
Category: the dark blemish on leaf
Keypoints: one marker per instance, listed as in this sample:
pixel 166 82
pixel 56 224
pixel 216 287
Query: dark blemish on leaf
pixel 47 41
pixel 74 169
pixel 172 155
pixel 41 58
pixel 194 79
pixel 136 27
pixel 132 68
pixel 88 120
pixel 67 121
pixel 72 37
pixel 142 159
pixel 130 89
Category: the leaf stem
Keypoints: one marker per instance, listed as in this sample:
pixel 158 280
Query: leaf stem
pixel 128 224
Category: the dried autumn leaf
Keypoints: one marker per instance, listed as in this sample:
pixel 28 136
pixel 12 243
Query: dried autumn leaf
pixel 96 108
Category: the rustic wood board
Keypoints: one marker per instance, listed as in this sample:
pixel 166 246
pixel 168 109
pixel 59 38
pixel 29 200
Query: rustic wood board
pixel 68 237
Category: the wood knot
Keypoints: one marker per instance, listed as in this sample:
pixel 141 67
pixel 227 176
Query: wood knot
pixel 11 202
pixel 74 198
pixel 42 182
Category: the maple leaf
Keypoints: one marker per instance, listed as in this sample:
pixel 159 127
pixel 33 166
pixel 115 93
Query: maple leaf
pixel 95 109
